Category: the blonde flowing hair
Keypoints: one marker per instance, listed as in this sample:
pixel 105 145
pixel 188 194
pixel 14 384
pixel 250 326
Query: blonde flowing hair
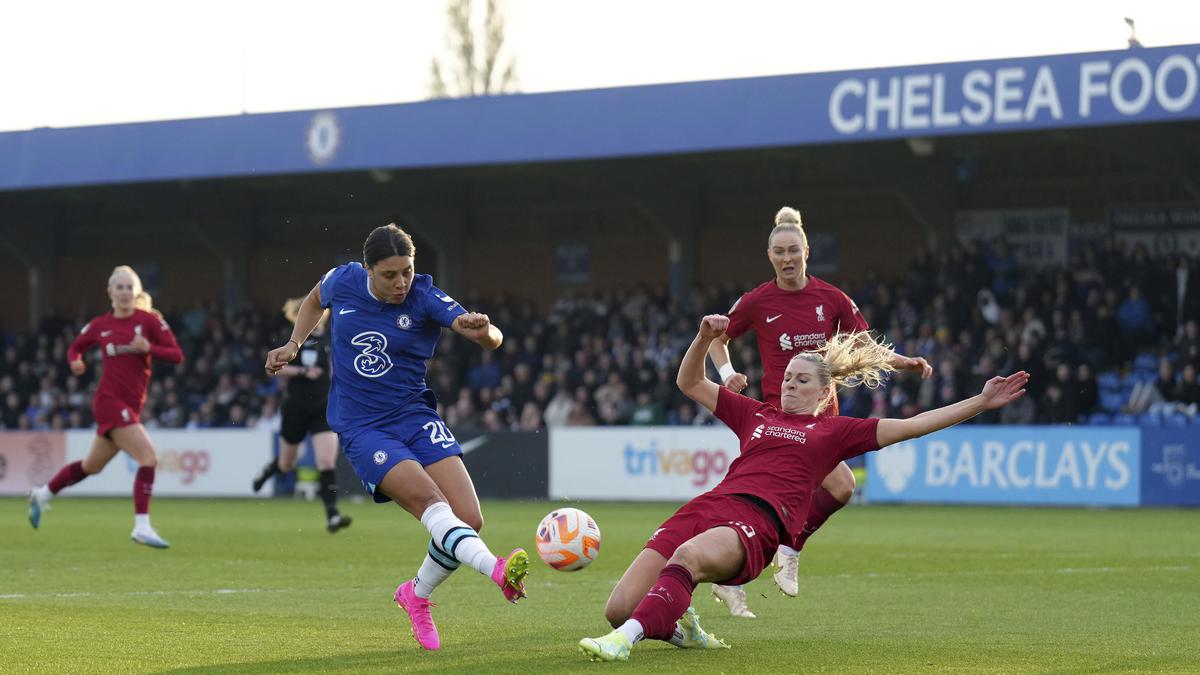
pixel 850 360
pixel 145 302
pixel 291 310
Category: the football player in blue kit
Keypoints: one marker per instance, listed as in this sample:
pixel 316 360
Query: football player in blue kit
pixel 386 321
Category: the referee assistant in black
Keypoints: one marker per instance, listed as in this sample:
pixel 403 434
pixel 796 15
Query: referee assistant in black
pixel 303 413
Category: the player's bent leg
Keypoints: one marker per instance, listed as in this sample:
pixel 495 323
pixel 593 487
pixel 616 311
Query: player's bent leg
pixel 325 448
pixel 134 441
pixel 632 587
pixel 413 488
pixel 840 483
pixel 101 452
pixel 716 553
pixel 833 494
pixel 99 455
pixel 454 481
pixel 283 463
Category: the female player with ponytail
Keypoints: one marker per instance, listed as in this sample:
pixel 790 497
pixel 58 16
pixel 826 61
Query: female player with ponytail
pixel 793 313
pixel 728 534
pixel 129 338
pixel 385 323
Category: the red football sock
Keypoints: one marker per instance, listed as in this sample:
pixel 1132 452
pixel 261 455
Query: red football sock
pixel 823 505
pixel 143 487
pixel 68 475
pixel 666 601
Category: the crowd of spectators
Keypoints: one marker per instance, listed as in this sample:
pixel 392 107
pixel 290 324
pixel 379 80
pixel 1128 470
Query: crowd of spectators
pixel 610 358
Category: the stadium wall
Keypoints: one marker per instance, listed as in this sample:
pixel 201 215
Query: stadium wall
pixel 201 463
pixel 1017 465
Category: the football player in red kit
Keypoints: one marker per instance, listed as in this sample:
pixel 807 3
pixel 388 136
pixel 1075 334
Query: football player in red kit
pixel 794 312
pixel 129 337
pixel 728 534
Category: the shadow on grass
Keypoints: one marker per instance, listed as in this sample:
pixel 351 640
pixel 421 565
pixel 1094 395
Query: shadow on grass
pixel 389 661
pixel 656 659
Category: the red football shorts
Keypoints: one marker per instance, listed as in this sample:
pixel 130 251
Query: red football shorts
pixel 755 526
pixel 112 413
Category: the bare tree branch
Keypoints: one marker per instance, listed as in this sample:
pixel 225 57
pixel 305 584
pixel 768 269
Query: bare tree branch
pixel 474 62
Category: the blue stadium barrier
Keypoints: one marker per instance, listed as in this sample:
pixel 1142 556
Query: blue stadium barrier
pixel 1042 465
pixel 1176 419
pixel 1112 401
pixel 1100 419
pixel 1150 419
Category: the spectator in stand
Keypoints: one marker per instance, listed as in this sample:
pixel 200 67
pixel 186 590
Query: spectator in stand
pixel 1187 392
pixel 1134 318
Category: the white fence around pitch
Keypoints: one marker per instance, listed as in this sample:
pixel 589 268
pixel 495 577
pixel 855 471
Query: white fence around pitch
pixel 191 463
pixel 970 464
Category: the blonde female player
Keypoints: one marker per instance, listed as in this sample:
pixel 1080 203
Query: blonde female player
pixel 129 337
pixel 386 321
pixel 729 533
pixel 793 313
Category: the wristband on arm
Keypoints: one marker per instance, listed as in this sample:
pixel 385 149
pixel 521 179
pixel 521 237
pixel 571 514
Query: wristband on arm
pixel 726 371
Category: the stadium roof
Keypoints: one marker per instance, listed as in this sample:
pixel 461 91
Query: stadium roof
pixel 981 97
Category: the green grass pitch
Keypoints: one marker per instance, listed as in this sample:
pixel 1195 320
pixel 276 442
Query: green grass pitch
pixel 259 586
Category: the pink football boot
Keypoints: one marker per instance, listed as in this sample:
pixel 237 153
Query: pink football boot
pixel 509 574
pixel 418 613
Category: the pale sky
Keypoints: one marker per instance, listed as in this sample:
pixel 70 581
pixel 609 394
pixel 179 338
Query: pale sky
pixel 71 63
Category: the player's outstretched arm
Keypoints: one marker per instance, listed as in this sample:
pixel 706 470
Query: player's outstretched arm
pixel 997 393
pixel 478 328
pixel 691 379
pixel 306 320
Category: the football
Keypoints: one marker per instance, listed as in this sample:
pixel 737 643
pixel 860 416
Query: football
pixel 568 539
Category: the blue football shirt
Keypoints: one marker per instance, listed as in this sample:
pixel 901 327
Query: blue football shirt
pixel 379 349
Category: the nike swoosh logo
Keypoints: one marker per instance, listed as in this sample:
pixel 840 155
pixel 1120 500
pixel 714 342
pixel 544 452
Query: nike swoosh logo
pixel 473 443
pixel 104 333
pixel 772 318
pixel 346 311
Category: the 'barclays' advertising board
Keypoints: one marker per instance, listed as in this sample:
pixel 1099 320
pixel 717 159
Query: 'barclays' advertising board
pixel 1011 465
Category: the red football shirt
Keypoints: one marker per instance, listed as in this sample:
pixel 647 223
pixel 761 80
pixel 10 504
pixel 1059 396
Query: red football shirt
pixel 126 375
pixel 784 457
pixel 789 322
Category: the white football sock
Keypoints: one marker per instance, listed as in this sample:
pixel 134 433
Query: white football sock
pixel 141 521
pixel 43 494
pixel 677 637
pixel 436 568
pixel 787 550
pixel 633 630
pixel 458 539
